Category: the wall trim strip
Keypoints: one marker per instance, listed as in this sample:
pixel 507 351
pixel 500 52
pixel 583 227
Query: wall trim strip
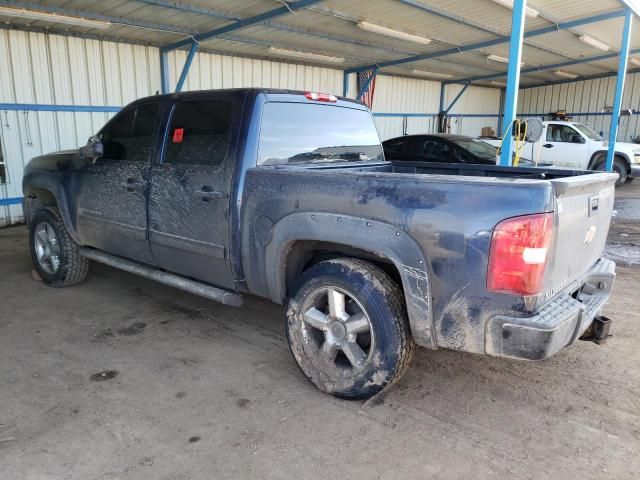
pixel 10 201
pixel 57 108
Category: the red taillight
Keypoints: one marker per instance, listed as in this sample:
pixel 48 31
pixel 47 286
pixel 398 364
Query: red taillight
pixel 320 97
pixel 518 254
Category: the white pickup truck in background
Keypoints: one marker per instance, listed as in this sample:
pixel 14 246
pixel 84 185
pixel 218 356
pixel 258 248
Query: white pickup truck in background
pixel 576 145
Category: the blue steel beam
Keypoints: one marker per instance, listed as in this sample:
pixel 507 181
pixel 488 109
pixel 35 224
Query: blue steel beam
pixel 455 100
pixel 365 87
pixel 633 5
pixel 513 77
pixel 345 84
pixel 582 79
pixel 496 41
pixel 187 66
pixel 185 8
pixel 617 102
pixel 288 8
pixel 23 107
pixel 542 68
pixel 470 23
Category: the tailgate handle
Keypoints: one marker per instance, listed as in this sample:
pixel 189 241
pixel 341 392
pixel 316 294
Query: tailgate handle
pixel 594 201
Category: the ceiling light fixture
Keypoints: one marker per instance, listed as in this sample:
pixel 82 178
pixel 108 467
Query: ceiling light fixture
pixel 594 43
pixel 560 73
pixel 499 84
pixel 306 55
pixel 529 12
pixel 389 32
pixel 424 73
pixel 53 17
pixel 634 61
pixel 498 58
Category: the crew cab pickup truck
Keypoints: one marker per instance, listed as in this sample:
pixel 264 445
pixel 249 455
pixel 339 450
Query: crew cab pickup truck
pixel 576 146
pixel 287 195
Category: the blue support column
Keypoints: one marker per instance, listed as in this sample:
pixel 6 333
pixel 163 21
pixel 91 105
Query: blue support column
pixel 500 112
pixel 443 86
pixel 164 70
pixel 513 77
pixel 345 84
pixel 187 66
pixel 617 102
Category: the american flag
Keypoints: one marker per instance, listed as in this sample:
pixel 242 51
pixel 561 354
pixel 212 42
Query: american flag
pixel 363 78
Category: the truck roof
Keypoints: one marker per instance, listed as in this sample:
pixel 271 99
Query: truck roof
pixel 269 92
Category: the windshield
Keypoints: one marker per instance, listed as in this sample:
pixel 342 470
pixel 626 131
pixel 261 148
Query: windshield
pixel 477 147
pixel 316 133
pixel 586 130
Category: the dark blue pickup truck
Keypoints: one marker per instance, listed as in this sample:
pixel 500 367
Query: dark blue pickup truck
pixel 287 195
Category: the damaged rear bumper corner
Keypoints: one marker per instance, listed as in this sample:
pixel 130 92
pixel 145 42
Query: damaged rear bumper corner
pixel 557 324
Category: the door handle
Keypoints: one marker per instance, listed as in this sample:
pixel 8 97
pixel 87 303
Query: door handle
pixel 207 193
pixel 547 145
pixel 131 185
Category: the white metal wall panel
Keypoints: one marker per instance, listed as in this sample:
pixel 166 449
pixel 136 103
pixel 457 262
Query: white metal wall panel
pixel 474 101
pixel 61 70
pixel 221 71
pixel 587 101
pixel 43 69
pixel 397 95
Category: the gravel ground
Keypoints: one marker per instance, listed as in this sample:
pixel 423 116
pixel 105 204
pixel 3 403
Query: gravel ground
pixel 122 378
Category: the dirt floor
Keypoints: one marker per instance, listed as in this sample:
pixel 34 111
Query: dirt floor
pixel 122 378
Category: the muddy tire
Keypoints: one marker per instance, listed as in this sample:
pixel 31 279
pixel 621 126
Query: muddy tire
pixel 54 253
pixel 347 328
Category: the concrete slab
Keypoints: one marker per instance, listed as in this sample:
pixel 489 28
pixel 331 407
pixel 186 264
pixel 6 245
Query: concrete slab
pixel 122 378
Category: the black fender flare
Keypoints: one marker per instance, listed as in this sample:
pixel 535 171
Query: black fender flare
pixel 379 238
pixel 53 184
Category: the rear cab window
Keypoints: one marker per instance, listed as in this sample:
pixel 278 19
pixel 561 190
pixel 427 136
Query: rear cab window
pixel 296 133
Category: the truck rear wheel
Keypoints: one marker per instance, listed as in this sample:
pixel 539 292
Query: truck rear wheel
pixel 347 328
pixel 54 253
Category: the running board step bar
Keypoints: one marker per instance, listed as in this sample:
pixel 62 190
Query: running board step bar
pixel 212 293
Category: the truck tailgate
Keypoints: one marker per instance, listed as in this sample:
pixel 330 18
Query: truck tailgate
pixel 583 208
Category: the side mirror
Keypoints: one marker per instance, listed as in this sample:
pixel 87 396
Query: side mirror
pixel 577 139
pixel 93 149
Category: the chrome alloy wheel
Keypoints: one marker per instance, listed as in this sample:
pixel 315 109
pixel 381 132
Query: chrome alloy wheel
pixel 340 327
pixel 47 248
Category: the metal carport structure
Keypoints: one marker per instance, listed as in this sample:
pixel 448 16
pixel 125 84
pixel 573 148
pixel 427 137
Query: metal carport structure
pixel 450 41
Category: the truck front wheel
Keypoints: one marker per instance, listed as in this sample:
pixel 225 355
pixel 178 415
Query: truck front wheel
pixel 347 328
pixel 55 255
pixel 619 166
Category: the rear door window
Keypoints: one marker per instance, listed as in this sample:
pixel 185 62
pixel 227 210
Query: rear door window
pixel 311 133
pixel 199 133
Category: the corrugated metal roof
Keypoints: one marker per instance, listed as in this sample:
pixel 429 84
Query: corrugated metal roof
pixel 330 28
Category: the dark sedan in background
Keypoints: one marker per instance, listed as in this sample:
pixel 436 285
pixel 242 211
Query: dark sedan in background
pixel 443 148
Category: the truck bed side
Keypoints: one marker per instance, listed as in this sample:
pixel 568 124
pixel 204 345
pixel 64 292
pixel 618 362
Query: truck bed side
pixel 381 213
